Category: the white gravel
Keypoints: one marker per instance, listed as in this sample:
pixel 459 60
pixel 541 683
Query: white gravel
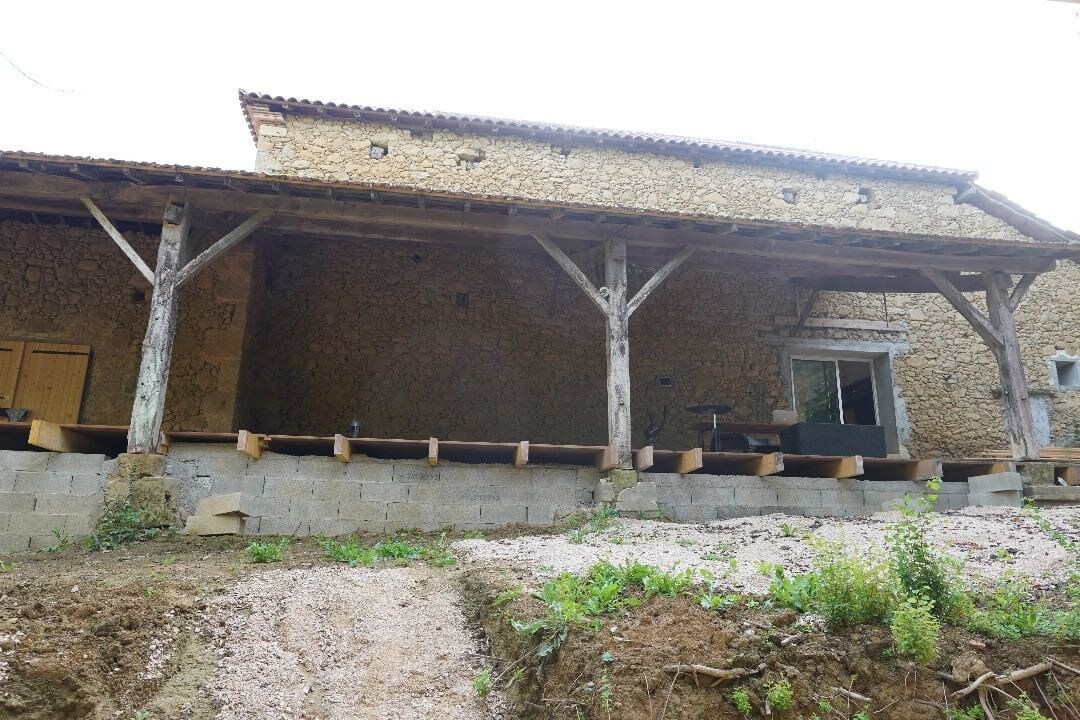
pixel 337 642
pixel 977 536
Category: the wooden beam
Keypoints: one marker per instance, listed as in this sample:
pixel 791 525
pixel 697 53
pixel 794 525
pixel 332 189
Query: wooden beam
pixel 838 467
pixel 963 306
pixel 342 448
pixel 898 469
pixel 607 459
pixel 211 253
pixel 1020 290
pixel 250 444
pixel 660 276
pixel 763 465
pixel 617 333
pixel 120 240
pixel 804 312
pixel 1015 396
pixel 52 436
pixel 521 454
pixel 643 458
pixel 689 461
pixel 573 271
pixel 149 405
pixel 433 451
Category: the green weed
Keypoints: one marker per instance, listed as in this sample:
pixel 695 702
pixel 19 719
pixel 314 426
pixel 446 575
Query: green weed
pixel 1025 709
pixel 119 525
pixel 1010 612
pixel 6 567
pixel 825 707
pixel 61 540
pixel 972 713
pixel 915 630
pixel 741 700
pixel 267 552
pixel 508 596
pixel 482 683
pixel 780 695
pixel 863 714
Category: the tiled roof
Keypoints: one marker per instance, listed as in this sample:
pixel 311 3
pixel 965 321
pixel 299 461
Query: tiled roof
pixel 747 152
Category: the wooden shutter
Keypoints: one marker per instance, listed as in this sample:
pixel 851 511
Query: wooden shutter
pixel 51 381
pixel 11 354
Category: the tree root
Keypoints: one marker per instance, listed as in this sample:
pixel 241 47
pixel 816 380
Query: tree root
pixel 992 679
pixel 716 673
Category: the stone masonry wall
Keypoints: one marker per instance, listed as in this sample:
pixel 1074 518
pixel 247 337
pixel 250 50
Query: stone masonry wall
pixel 67 284
pixel 527 169
pixel 47 496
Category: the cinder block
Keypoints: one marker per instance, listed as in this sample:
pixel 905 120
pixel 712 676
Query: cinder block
pixel 284 526
pixel 269 506
pixel 439 494
pixel 801 483
pixel 605 492
pixel 17 502
pixel 28 460
pixel 274 465
pixel 956 500
pixel 1053 493
pixel 639 498
pixel 368 471
pixel 70 504
pixel 224 505
pixel 456 515
pixel 214 524
pixel 288 487
pixel 798 497
pixel 547 513
pixel 79 525
pixel 503 514
pixel 7 480
pixel 844 502
pixel 465 475
pixel 755 495
pixel 1007 481
pixel 221 463
pixel 692 513
pixel 75 463
pixel 87 484
pixel 35 523
pixel 334 527
pixel 415 473
pixel 710 496
pixel 14 542
pixel 250 485
pixel 995 499
pixel 411 514
pixel 5 518
pixel 384 492
pixel 553 476
pixel 337 489
pixel 250 525
pixel 363 510
pixel 318 468
pixel 44 482
pixel 878 501
pixel 308 508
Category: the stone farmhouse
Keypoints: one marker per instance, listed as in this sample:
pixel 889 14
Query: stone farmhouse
pixel 417 319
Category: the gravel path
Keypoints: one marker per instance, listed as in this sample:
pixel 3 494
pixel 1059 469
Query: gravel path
pixel 979 536
pixel 337 642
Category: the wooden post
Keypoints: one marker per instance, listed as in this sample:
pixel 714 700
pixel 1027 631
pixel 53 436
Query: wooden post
pixel 999 334
pixel 618 352
pixel 149 406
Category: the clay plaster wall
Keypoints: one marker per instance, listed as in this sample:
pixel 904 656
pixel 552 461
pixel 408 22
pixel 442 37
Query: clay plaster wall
pixel 68 284
pixel 527 169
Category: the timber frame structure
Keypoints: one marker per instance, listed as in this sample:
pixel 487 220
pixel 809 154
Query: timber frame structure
pixel 170 200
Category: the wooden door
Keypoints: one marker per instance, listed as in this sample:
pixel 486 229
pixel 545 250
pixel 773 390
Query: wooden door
pixel 11 354
pixel 51 381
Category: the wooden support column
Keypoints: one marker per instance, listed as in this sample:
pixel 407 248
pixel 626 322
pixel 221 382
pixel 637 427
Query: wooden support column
pixel 618 352
pixel 149 406
pixel 999 334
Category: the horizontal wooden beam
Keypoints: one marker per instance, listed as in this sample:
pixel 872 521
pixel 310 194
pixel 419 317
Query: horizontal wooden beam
pixel 763 465
pixel 688 461
pixel 643 458
pixel 870 284
pixel 52 436
pixel 342 448
pixel 607 459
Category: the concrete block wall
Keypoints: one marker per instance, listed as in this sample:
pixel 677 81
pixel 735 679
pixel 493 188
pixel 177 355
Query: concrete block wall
pixel 309 495
pixel 43 492
pixel 696 498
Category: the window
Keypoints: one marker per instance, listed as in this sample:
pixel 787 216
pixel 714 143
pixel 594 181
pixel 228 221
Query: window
pixel 831 390
pixel 1067 373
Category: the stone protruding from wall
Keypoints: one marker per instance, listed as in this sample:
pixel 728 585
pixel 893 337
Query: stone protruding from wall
pixel 45 497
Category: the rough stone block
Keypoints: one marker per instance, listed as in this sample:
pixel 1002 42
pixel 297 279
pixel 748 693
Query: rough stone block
pixel 224 504
pixel 1008 481
pixel 45 482
pixel 297 487
pixel 214 524
pixel 639 498
pixel 755 494
pixel 274 465
pixel 798 497
pixel 14 542
pixel 1036 473
pixel 284 526
pixel 337 489
pixel 87 484
pixel 368 471
pixel 503 514
pixel 70 504
pixel 384 492
pixel 318 468
pixel 132 466
pixel 35 523
pixel 363 510
pixel 605 491
pixel 313 508
pixel 24 460
pixel 17 502
pixel 995 499
pixel 73 463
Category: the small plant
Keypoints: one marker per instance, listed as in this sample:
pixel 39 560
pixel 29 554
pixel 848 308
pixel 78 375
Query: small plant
pixel 607 693
pixel 786 530
pixel 1025 709
pixel 616 540
pixel 267 552
pixel 508 596
pixel 1004 555
pixel 119 525
pixel 780 695
pixel 141 715
pixel 473 534
pixel 824 707
pixel 576 536
pixel 61 541
pixel 972 713
pixel 915 630
pixel 685 542
pixel 741 700
pixel 349 552
pixel 863 714
pixel 1011 611
pixel 6 567
pixel 482 683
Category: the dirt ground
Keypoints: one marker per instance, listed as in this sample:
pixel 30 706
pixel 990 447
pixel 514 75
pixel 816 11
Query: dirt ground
pixel 184 628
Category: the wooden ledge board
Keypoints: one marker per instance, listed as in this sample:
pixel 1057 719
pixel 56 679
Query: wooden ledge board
pixel 717 463
pixel 960 469
pixel 59 438
pixel 899 469
pixel 823 466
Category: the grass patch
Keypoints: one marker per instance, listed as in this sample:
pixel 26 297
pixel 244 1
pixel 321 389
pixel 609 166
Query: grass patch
pixel 395 549
pixel 482 683
pixel 120 525
pixel 267 552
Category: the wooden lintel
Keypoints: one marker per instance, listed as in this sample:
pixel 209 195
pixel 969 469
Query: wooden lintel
pixel 342 448
pixel 643 458
pixel 689 461
pixel 763 465
pixel 52 436
pixel 521 454
pixel 607 459
pixel 433 451
pixel 250 444
pixel 120 240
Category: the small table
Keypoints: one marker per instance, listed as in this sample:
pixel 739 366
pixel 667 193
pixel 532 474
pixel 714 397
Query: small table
pixel 714 409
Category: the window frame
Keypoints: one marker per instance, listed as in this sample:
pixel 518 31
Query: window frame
pixel 835 360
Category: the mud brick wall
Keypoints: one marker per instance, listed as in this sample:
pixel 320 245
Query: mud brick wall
pixel 43 493
pixel 71 284
pixel 292 495
pixel 698 498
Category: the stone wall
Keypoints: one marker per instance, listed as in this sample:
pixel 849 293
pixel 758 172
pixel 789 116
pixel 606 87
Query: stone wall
pixel 69 284
pixel 527 169
pixel 45 497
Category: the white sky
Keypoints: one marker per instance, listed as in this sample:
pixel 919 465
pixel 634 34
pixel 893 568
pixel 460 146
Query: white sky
pixel 990 85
